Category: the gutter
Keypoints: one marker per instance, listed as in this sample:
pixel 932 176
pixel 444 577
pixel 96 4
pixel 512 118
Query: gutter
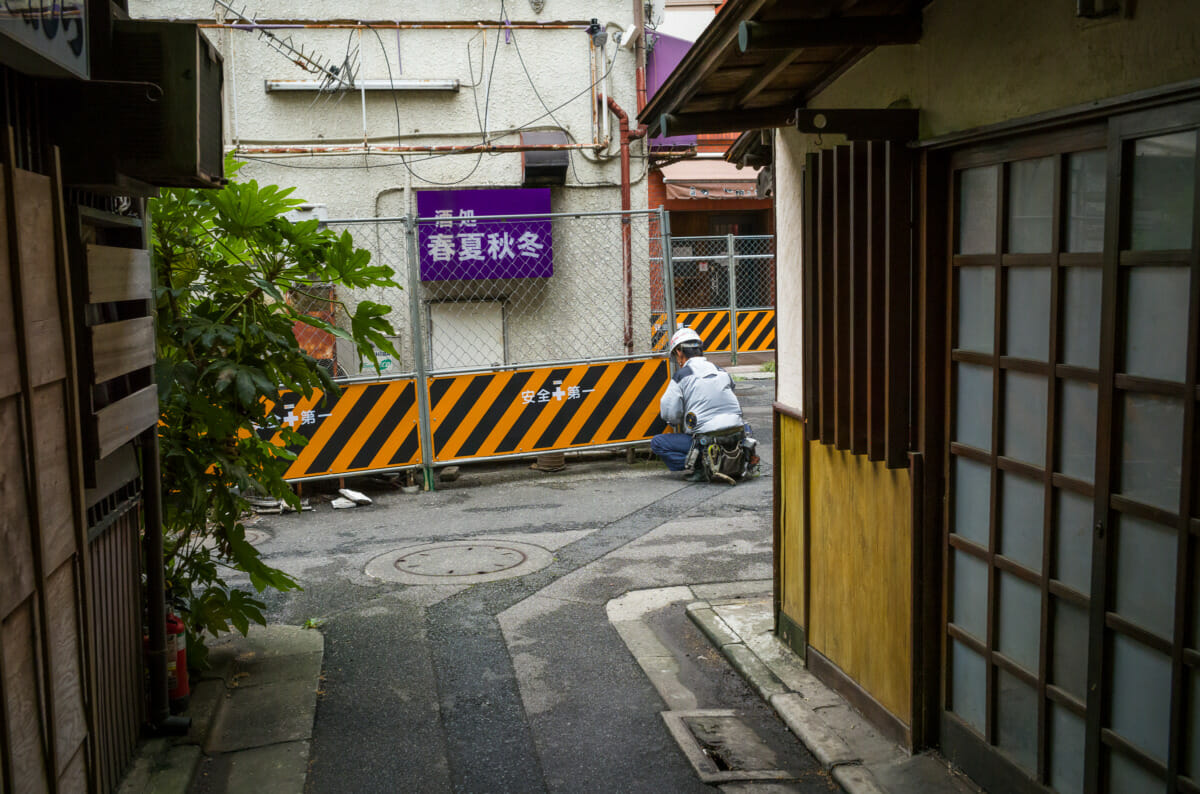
pixel 627 135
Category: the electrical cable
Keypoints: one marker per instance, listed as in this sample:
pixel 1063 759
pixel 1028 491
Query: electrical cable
pixel 407 160
pixel 487 94
pixel 538 94
pixel 396 107
pixel 474 84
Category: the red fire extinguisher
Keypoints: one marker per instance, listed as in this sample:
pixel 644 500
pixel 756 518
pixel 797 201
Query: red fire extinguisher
pixel 177 675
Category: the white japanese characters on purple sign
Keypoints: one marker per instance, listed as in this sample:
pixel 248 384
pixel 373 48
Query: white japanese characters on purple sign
pixel 454 244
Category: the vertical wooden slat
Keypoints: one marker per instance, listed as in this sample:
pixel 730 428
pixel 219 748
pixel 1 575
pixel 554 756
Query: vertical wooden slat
pixel 842 303
pixel 62 603
pixel 1097 699
pixel 132 630
pixel 900 317
pixel 810 300
pixel 993 584
pixel 944 363
pixel 859 318
pixel 826 365
pixel 14 536
pixel 1047 615
pixel 107 709
pixel 114 597
pixel 81 569
pixel 133 626
pixel 931 361
pixel 1184 576
pixel 876 319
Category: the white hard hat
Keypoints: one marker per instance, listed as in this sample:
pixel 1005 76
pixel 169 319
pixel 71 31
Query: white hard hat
pixel 683 336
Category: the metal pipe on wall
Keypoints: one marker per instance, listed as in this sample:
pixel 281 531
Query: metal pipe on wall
pixel 156 599
pixel 289 24
pixel 392 149
pixel 627 135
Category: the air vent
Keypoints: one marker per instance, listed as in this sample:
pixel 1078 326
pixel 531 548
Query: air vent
pixel 544 167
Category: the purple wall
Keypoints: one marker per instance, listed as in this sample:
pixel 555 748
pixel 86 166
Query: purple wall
pixel 667 53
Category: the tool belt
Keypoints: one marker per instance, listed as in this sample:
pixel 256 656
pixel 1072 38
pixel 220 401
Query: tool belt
pixel 726 455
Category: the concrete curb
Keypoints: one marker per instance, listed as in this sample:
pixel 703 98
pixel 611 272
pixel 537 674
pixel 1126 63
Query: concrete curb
pixel 737 619
pixel 830 750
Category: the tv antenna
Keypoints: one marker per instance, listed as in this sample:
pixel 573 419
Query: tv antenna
pixel 334 76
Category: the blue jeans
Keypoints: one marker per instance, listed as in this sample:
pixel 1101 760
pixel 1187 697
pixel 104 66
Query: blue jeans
pixel 672 448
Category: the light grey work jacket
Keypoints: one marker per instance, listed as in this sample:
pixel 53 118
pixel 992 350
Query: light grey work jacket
pixel 700 399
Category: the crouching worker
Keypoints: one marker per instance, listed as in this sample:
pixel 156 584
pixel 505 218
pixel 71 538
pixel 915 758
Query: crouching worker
pixel 700 401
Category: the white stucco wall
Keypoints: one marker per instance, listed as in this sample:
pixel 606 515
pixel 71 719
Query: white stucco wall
pixel 686 20
pixel 789 247
pixel 492 77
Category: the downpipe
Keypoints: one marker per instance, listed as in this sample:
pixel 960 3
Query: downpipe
pixel 627 135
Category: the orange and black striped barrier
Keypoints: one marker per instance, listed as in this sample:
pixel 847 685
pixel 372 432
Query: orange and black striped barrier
pixel 756 329
pixel 368 427
pixel 518 412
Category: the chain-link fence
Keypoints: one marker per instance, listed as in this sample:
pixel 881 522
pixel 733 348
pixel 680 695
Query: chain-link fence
pixel 496 292
pixel 526 291
pixel 702 267
pixel 724 288
pixel 516 335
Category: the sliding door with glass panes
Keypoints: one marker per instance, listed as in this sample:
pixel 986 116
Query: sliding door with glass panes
pixel 1072 622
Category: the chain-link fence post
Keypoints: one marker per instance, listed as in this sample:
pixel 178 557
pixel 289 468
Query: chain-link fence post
pixel 418 348
pixel 733 301
pixel 664 225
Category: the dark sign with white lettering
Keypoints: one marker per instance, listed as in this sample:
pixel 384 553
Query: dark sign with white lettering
pixel 56 30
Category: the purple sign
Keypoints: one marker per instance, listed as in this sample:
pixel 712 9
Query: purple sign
pixel 454 245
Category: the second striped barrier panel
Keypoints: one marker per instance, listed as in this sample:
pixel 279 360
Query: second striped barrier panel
pixel 756 329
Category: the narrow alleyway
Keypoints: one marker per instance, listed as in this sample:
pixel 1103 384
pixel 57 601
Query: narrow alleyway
pixel 522 684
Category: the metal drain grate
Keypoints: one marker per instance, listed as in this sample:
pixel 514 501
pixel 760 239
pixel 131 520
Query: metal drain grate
pixel 722 746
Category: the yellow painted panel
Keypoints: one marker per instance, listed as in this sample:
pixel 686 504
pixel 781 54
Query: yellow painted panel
pixel 791 517
pixel 861 590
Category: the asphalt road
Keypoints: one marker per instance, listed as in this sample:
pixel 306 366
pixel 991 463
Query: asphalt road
pixel 519 684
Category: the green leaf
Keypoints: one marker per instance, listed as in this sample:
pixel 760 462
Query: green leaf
pixel 228 262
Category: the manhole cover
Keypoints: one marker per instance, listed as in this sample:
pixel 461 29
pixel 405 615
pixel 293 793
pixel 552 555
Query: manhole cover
pixel 459 562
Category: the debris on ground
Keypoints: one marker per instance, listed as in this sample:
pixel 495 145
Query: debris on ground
pixel 267 504
pixel 358 497
pixel 342 503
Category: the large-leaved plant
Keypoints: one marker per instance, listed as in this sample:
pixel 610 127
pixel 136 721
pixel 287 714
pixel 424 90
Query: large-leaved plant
pixel 229 268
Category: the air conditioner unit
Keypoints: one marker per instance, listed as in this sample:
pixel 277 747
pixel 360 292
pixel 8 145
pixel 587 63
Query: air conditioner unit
pixel 170 133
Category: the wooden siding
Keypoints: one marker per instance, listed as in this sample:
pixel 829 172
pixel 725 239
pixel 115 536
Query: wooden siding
pixel 791 518
pixel 46 682
pixel 860 614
